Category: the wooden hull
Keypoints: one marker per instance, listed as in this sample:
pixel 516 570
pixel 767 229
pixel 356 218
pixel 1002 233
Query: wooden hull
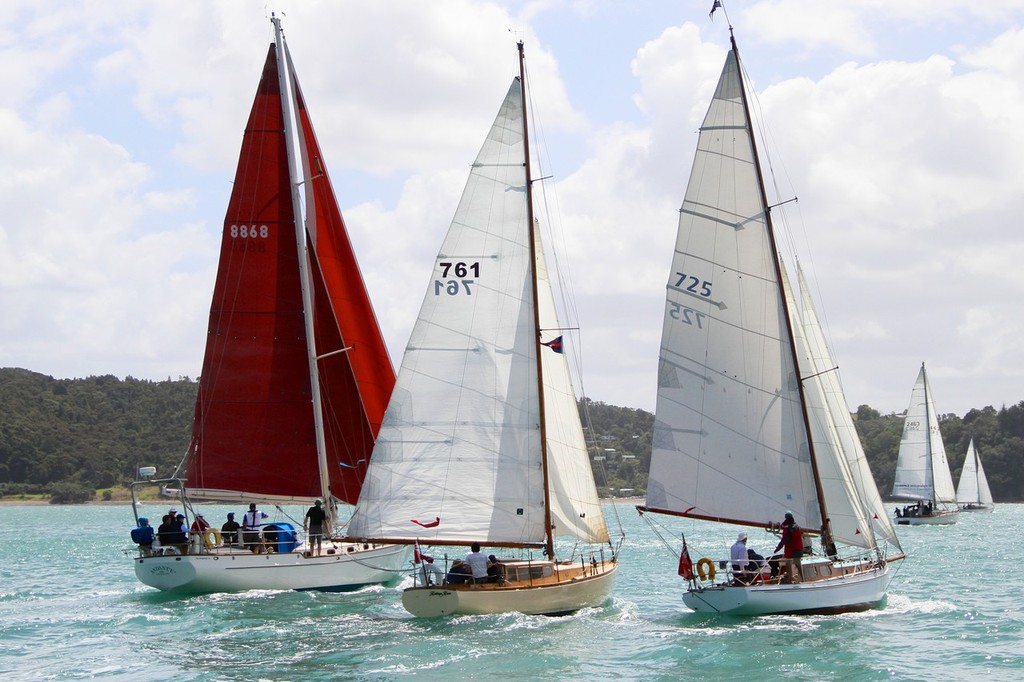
pixel 856 591
pixel 558 597
pixel 940 518
pixel 234 570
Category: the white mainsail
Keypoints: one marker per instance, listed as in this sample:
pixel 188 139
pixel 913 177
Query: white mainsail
pixel 729 436
pixel 973 486
pixel 922 470
pixel 459 456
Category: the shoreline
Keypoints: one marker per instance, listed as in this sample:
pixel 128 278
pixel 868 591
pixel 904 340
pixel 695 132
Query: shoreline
pixel 41 503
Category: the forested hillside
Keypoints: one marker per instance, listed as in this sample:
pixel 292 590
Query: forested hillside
pixel 70 438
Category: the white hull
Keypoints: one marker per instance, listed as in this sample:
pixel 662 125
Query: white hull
pixel 548 599
pixel 854 592
pixel 977 507
pixel 934 519
pixel 239 570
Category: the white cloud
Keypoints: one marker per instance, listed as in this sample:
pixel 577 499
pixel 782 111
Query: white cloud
pixel 897 123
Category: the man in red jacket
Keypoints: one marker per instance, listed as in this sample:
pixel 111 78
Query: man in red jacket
pixel 792 546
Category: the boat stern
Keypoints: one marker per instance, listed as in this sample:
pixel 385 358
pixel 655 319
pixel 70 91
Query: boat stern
pixel 167 573
pixel 430 602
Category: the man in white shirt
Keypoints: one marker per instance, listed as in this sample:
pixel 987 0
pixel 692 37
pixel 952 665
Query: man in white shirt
pixel 477 562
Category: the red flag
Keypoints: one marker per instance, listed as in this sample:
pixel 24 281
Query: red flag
pixel 416 553
pixel 428 524
pixel 685 563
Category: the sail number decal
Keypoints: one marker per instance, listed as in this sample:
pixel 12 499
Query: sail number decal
pixel 705 286
pixel 250 238
pixel 455 278
pixel 697 288
pixel 686 315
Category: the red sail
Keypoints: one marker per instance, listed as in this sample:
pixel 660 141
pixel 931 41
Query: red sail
pixel 369 376
pixel 254 434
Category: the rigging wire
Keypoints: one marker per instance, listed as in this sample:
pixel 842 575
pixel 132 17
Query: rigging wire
pixel 553 233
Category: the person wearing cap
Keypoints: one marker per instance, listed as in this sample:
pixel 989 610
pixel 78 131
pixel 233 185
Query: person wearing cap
pixel 792 546
pixel 229 531
pixel 180 533
pixel 738 557
pixel 313 525
pixel 200 524
pixel 195 534
pixel 143 535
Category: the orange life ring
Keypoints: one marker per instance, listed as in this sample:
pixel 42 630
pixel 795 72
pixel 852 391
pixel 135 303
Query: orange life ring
pixel 706 569
pixel 211 537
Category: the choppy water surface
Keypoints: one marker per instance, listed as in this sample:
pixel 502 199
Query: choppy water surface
pixel 71 608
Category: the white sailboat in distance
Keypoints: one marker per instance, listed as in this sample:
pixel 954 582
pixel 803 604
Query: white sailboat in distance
pixel 922 469
pixel 972 492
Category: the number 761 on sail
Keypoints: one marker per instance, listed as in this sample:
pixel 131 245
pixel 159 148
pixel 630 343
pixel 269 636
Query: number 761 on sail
pixel 454 287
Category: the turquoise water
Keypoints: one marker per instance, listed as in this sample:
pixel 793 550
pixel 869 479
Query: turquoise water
pixel 71 608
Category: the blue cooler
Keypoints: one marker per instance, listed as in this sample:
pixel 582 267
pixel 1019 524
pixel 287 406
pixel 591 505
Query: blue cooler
pixel 281 537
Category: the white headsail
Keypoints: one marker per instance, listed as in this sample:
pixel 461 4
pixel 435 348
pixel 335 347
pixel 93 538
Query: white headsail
pixel 867 524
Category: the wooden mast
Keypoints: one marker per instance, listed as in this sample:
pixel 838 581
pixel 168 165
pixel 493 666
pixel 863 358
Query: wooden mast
pixel 531 232
pixel 826 529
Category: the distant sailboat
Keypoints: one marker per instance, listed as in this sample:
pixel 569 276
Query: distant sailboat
pixel 751 419
pixel 296 375
pixel 972 493
pixel 482 440
pixel 922 470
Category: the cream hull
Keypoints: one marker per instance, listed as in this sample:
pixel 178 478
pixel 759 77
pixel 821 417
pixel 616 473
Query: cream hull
pixel 554 598
pixel 853 592
pixel 231 570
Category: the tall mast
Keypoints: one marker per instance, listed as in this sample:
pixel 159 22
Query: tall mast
pixel 531 233
pixel 305 281
pixel 826 529
pixel 928 424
